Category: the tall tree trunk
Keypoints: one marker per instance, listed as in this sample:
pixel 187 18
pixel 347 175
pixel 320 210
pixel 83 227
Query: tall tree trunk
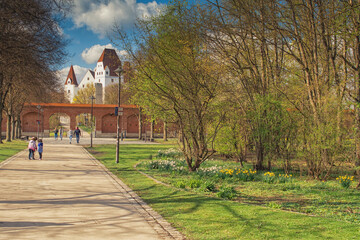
pixel 165 131
pixel 259 156
pixel 140 124
pixel 18 128
pixel 357 109
pixel 8 127
pixel 152 131
pixel 13 122
pixel 1 119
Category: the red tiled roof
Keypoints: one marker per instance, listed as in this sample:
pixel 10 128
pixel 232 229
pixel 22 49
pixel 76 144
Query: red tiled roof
pixel 72 77
pixel 110 59
pixel 79 105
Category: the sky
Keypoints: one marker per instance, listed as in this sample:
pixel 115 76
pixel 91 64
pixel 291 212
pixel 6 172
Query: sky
pixel 87 25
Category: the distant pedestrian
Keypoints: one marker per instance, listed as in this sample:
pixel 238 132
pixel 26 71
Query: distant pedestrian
pixel 40 148
pixel 61 133
pixel 70 133
pixel 56 131
pixel 77 134
pixel 32 148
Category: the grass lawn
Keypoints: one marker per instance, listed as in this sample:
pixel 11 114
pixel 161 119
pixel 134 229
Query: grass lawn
pixel 202 216
pixel 7 149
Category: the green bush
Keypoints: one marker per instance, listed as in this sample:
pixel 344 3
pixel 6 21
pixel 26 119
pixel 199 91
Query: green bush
pixel 227 192
pixel 180 184
pixel 208 186
pixel 194 183
pixel 274 205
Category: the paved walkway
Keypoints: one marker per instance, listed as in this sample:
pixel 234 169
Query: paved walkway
pixel 86 141
pixel 69 195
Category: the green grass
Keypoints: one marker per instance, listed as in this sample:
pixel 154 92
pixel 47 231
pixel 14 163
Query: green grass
pixel 200 216
pixel 86 129
pixel 7 149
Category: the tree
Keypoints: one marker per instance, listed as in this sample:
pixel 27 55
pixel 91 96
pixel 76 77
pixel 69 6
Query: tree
pixel 111 94
pixel 31 44
pixel 177 79
pixel 238 33
pixel 84 94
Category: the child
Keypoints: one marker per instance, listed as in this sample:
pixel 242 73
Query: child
pixel 32 148
pixel 70 133
pixel 40 148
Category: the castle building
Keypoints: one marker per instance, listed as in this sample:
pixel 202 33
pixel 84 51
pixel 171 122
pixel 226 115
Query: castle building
pixel 102 76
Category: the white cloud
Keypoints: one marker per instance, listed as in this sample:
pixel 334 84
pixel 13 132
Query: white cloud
pixel 79 73
pixel 99 16
pixel 92 54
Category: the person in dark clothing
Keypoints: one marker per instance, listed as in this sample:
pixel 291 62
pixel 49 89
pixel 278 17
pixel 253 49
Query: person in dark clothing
pixel 77 134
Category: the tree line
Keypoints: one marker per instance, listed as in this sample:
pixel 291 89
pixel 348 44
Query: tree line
pixel 31 49
pixel 280 79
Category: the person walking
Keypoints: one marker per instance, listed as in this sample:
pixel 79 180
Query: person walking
pixel 77 134
pixel 40 148
pixel 61 133
pixel 56 131
pixel 70 133
pixel 32 148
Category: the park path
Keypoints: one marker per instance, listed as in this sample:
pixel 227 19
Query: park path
pixel 70 195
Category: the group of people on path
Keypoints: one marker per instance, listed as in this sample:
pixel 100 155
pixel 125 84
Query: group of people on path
pixel 33 147
pixel 70 134
pixel 39 147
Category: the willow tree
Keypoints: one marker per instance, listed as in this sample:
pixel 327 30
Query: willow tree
pixel 177 78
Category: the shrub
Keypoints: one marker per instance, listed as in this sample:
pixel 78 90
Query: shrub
pixel 273 205
pixel 208 186
pixel 227 192
pixel 180 184
pixel 194 183
pixel 345 181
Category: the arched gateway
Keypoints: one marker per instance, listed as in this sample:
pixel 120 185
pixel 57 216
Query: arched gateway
pixel 35 117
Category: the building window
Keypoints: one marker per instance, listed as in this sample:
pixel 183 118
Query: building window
pixel 112 80
pixel 83 85
pixel 88 79
pixel 99 80
pixel 68 91
pixel 107 72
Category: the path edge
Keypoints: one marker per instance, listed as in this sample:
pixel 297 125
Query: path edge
pixel 8 160
pixel 161 226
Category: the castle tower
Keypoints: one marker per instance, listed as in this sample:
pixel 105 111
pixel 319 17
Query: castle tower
pixel 71 85
pixel 105 69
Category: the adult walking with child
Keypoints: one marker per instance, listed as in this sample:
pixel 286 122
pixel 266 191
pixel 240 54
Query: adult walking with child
pixel 32 148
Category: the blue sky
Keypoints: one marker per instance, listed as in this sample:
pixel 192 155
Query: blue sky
pixel 87 25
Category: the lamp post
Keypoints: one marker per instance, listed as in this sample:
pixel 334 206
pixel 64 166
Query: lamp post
pixel 91 121
pixel 118 72
pixel 42 123
pixel 38 120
